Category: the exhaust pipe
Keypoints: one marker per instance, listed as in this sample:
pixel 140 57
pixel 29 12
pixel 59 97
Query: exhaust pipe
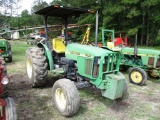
pixel 135 46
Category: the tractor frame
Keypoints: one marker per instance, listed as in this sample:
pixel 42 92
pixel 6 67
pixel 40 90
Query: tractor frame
pixel 5 50
pixel 79 65
pixel 140 61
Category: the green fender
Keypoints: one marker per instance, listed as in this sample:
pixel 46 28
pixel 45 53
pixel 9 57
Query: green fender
pixel 48 54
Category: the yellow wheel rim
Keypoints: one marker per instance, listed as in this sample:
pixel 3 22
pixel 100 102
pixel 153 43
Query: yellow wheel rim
pixel 29 67
pixel 61 98
pixel 136 77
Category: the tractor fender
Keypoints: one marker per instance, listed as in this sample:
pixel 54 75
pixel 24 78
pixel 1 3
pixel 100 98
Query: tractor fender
pixel 48 55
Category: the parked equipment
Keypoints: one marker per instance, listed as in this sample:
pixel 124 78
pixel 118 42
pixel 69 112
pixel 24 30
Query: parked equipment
pixel 5 49
pixel 7 105
pixel 85 39
pixel 80 65
pixel 118 41
pixel 139 60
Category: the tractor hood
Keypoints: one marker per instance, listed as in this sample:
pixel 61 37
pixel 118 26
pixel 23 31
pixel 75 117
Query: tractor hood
pixel 74 50
pixel 141 52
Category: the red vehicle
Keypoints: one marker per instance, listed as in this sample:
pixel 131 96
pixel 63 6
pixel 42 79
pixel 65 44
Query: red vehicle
pixel 7 105
pixel 121 41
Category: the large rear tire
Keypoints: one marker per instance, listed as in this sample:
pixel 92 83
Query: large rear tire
pixel 10 109
pixel 137 76
pixel 65 97
pixel 36 66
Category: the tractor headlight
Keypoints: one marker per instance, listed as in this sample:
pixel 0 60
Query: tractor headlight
pixel 5 80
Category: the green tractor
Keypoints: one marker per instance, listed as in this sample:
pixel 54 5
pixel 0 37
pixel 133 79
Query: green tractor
pixel 5 50
pixel 79 65
pixel 138 60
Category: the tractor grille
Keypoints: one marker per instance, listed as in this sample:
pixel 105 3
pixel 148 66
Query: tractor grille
pixel 88 68
pixel 111 61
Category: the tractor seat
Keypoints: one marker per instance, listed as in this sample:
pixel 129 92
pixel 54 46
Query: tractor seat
pixel 111 46
pixel 58 45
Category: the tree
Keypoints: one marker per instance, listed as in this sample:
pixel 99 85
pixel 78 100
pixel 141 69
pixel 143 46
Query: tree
pixel 37 5
pixel 141 17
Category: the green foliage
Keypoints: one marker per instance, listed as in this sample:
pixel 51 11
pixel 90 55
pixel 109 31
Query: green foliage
pixel 131 16
pixel 133 13
pixel 132 31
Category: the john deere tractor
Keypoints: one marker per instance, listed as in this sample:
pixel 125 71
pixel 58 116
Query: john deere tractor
pixel 138 60
pixel 79 65
pixel 5 49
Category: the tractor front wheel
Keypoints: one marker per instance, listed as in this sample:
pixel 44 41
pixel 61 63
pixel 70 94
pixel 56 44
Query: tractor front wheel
pixel 10 109
pixel 137 76
pixel 65 97
pixel 36 66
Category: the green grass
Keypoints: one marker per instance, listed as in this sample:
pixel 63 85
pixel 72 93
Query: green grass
pixel 18 50
pixel 18 55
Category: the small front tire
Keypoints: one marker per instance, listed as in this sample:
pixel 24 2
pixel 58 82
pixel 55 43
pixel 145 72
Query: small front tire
pixel 137 76
pixel 65 97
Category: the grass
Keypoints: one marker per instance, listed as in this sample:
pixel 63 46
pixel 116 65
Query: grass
pixel 142 103
pixel 18 54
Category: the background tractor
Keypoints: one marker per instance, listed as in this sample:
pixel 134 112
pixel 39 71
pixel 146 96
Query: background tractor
pixel 5 50
pixel 80 65
pixel 139 60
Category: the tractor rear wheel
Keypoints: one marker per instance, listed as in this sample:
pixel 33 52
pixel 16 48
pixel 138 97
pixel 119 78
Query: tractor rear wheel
pixel 10 109
pixel 36 66
pixel 65 97
pixel 137 76
pixel 152 74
